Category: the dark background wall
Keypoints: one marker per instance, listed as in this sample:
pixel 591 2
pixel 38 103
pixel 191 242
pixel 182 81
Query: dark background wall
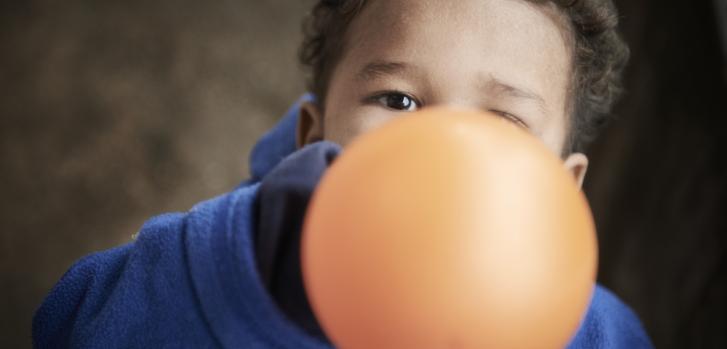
pixel 111 112
pixel 658 185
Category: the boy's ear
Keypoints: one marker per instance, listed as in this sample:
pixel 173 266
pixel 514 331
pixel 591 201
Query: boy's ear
pixel 310 124
pixel 577 164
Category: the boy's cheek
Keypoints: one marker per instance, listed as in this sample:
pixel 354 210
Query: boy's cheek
pixel 343 126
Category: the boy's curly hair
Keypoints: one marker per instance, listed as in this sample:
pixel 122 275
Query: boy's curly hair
pixel 599 57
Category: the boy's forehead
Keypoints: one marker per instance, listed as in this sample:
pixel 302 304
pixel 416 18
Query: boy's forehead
pixel 512 47
pixel 383 22
pixel 510 39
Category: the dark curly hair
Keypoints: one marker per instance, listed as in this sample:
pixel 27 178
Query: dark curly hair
pixel 599 57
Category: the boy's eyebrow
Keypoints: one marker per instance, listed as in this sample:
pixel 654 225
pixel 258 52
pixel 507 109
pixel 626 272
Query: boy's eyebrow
pixel 376 69
pixel 491 83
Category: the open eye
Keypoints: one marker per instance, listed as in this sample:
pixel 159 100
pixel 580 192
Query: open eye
pixel 397 101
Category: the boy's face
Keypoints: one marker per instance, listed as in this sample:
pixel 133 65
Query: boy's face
pixel 510 57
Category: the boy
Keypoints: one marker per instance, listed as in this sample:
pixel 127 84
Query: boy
pixel 226 274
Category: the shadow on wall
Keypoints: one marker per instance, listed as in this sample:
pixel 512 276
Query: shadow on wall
pixel 658 184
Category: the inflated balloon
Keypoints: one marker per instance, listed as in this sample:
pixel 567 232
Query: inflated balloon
pixel 448 229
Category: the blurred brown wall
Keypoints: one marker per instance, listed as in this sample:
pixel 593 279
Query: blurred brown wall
pixel 112 112
pixel 115 111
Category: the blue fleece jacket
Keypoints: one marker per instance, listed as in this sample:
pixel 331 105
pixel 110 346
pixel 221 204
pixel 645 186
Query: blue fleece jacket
pixel 190 280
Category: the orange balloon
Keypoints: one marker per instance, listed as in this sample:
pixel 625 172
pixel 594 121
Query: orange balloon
pixel 448 229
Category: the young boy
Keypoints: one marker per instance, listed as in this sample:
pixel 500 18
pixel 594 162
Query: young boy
pixel 226 274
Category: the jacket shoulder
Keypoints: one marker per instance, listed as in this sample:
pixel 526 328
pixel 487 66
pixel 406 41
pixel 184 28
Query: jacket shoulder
pixel 115 286
pixel 609 323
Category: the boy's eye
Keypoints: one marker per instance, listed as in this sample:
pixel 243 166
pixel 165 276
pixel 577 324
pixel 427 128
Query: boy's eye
pixel 516 120
pixel 397 101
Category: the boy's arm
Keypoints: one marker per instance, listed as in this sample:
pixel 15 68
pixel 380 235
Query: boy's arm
pixel 610 323
pixel 136 295
pixel 77 293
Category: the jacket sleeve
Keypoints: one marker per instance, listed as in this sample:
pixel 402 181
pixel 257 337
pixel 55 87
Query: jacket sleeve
pixel 81 290
pixel 609 323
pixel 134 295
